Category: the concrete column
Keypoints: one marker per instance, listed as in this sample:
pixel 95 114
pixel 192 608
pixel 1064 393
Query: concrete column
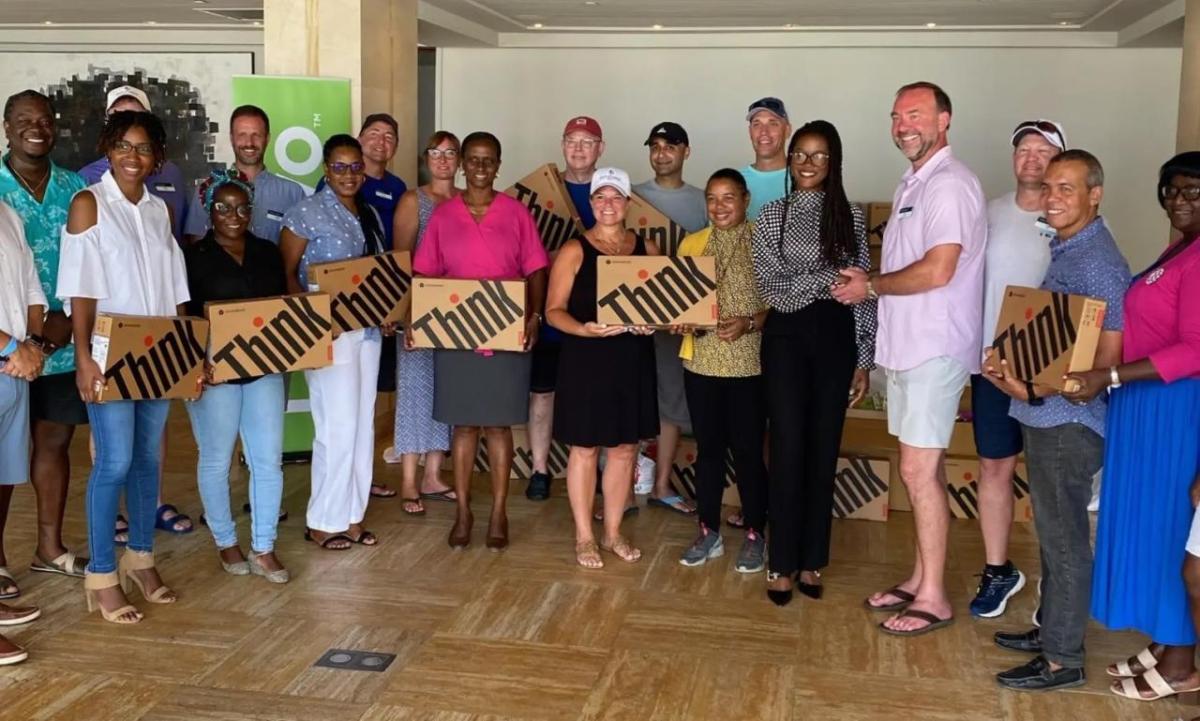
pixel 371 42
pixel 1187 136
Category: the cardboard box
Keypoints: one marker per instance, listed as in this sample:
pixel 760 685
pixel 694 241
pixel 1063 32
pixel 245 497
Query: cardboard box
pixel 683 473
pixel 1044 335
pixel 877 219
pixel 962 486
pixel 468 314
pixel 545 195
pixel 656 290
pixel 365 292
pixel 650 223
pixel 860 489
pixel 145 358
pixel 522 462
pixel 252 338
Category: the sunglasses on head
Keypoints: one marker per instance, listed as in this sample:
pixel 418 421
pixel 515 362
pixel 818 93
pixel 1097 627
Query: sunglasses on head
pixel 1044 126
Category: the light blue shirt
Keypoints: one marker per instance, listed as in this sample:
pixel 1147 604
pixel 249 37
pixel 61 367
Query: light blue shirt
pixel 332 231
pixel 274 195
pixel 1088 263
pixel 43 231
pixel 764 187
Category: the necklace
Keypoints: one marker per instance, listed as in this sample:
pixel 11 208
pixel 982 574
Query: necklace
pixel 33 189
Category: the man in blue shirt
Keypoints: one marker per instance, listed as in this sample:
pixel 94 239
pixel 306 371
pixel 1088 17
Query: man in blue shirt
pixel 770 130
pixel 250 134
pixel 168 183
pixel 1063 433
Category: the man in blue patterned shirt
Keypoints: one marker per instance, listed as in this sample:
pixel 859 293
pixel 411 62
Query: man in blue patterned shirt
pixel 1064 437
pixel 40 192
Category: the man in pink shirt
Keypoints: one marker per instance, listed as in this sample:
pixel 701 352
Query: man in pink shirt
pixel 930 295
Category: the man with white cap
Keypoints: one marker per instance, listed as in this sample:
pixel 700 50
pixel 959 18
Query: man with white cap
pixel 1018 253
pixel 769 130
pixel 167 183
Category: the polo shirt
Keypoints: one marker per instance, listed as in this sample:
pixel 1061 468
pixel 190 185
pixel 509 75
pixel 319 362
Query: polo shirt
pixel 43 224
pixel 764 187
pixel 1088 263
pixel 939 204
pixel 273 196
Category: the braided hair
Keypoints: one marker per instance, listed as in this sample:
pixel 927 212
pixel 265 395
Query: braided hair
pixel 218 179
pixel 837 220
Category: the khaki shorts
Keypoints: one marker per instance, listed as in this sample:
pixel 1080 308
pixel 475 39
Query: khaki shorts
pixel 922 402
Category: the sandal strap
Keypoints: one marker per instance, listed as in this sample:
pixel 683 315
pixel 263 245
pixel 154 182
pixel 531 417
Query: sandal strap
pixel 1128 689
pixel 158 594
pixel 5 573
pixel 138 560
pixel 66 562
pixel 100 581
pixel 1146 658
pixel 1157 683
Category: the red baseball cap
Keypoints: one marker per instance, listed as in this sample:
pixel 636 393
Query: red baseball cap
pixel 585 124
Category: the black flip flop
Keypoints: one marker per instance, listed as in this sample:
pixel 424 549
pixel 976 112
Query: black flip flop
pixel 440 496
pixel 308 536
pixel 366 538
pixel 933 623
pixel 905 601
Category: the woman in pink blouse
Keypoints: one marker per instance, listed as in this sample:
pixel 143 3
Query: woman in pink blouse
pixel 1148 538
pixel 483 235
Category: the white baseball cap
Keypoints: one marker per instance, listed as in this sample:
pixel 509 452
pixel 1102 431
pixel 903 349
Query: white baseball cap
pixel 128 91
pixel 611 178
pixel 1051 130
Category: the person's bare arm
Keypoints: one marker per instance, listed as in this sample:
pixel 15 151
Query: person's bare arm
pixel 291 247
pixel 535 297
pixel 406 222
pixel 562 279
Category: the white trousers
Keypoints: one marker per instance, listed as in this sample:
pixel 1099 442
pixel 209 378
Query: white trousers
pixel 342 398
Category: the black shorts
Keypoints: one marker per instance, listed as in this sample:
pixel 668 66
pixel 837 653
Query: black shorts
pixel 543 376
pixel 55 398
pixel 387 365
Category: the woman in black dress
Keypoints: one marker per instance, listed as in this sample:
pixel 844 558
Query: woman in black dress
pixel 606 394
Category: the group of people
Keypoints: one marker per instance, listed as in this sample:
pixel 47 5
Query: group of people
pixel 803 319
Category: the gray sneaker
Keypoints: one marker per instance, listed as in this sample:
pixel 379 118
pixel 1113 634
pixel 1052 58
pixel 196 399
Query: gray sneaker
pixel 707 545
pixel 752 557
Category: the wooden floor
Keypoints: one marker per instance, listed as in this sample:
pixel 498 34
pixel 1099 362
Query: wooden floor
pixel 520 635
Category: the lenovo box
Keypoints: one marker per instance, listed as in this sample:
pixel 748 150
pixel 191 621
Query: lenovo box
pixel 468 314
pixel 145 358
pixel 877 220
pixel 365 292
pixel 962 486
pixel 860 489
pixel 656 290
pixel 522 462
pixel 1045 335
pixel 683 473
pixel 650 223
pixel 252 338
pixel 544 193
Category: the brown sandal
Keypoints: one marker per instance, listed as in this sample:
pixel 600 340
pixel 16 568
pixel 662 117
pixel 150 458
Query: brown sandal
pixel 412 506
pixel 623 550
pixel 587 554
pixel 905 601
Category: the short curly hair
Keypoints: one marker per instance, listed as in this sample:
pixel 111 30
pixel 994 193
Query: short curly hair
pixel 122 121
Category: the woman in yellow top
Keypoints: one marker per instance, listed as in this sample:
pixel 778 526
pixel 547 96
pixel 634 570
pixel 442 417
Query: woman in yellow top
pixel 723 379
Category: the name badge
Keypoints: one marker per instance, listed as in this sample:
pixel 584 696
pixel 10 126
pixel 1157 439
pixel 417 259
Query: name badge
pixel 1154 276
pixel 383 194
pixel 904 212
pixel 165 187
pixel 274 215
pixel 1044 229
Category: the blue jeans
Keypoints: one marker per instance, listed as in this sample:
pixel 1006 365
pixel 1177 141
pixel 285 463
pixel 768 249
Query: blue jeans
pixel 255 410
pixel 127 435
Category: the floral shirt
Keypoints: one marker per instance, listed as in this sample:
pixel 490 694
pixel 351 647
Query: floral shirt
pixel 43 230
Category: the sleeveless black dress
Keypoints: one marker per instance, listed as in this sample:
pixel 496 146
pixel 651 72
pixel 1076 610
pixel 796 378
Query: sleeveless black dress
pixel 606 393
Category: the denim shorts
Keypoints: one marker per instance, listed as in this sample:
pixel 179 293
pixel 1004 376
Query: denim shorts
pixel 996 434
pixel 14 431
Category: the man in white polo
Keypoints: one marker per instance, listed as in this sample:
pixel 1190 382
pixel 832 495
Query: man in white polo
pixel 930 295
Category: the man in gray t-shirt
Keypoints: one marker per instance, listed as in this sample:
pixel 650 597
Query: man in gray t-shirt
pixel 684 204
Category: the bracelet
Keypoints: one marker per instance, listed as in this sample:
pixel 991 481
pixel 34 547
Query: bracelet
pixel 1033 398
pixel 10 348
pixel 1114 380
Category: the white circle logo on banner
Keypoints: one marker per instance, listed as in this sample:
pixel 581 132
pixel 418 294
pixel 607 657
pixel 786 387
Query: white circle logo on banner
pixel 302 167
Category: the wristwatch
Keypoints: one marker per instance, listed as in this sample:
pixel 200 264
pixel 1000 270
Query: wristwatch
pixel 752 328
pixel 871 294
pixel 1114 380
pixel 1033 399
pixel 40 343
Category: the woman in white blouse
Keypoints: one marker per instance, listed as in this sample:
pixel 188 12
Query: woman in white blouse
pixel 119 256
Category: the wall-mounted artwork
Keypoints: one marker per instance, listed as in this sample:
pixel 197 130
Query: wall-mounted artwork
pixel 190 92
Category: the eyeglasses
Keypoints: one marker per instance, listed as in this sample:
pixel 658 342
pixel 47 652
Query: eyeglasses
pixel 819 158
pixel 143 149
pixel 481 162
pixel 581 143
pixel 439 153
pixel 222 208
pixel 1190 193
pixel 344 168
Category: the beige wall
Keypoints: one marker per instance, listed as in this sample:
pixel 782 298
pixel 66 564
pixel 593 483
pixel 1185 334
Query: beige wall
pixel 1119 103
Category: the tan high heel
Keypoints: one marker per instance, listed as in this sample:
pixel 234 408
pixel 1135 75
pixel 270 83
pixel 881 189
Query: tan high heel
pixel 95 582
pixel 136 561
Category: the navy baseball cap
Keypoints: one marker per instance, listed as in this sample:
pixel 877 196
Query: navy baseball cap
pixel 771 105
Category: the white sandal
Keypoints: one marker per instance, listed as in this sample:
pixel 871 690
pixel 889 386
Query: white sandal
pixel 1158 685
pixel 1125 670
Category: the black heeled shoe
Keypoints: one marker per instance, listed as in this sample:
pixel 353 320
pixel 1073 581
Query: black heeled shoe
pixel 779 598
pixel 812 590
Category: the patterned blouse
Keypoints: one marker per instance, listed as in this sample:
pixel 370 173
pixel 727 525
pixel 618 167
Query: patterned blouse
pixel 737 296
pixel 794 273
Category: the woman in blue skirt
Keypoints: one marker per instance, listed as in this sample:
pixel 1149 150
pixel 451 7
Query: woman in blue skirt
pixel 1148 540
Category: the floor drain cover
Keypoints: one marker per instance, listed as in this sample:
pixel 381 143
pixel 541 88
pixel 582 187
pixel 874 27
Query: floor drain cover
pixel 349 660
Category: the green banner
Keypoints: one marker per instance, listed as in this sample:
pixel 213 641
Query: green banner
pixel 304 113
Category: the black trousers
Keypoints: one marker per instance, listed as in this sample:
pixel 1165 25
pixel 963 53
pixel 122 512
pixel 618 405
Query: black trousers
pixel 808 362
pixel 728 414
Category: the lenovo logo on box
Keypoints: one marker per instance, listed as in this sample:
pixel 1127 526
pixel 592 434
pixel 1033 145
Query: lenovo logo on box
pixel 1044 335
pixel 145 358
pixel 366 292
pixel 657 291
pixel 252 338
pixel 468 314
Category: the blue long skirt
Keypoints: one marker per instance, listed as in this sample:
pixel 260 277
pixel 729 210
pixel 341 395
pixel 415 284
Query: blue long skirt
pixel 1151 457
